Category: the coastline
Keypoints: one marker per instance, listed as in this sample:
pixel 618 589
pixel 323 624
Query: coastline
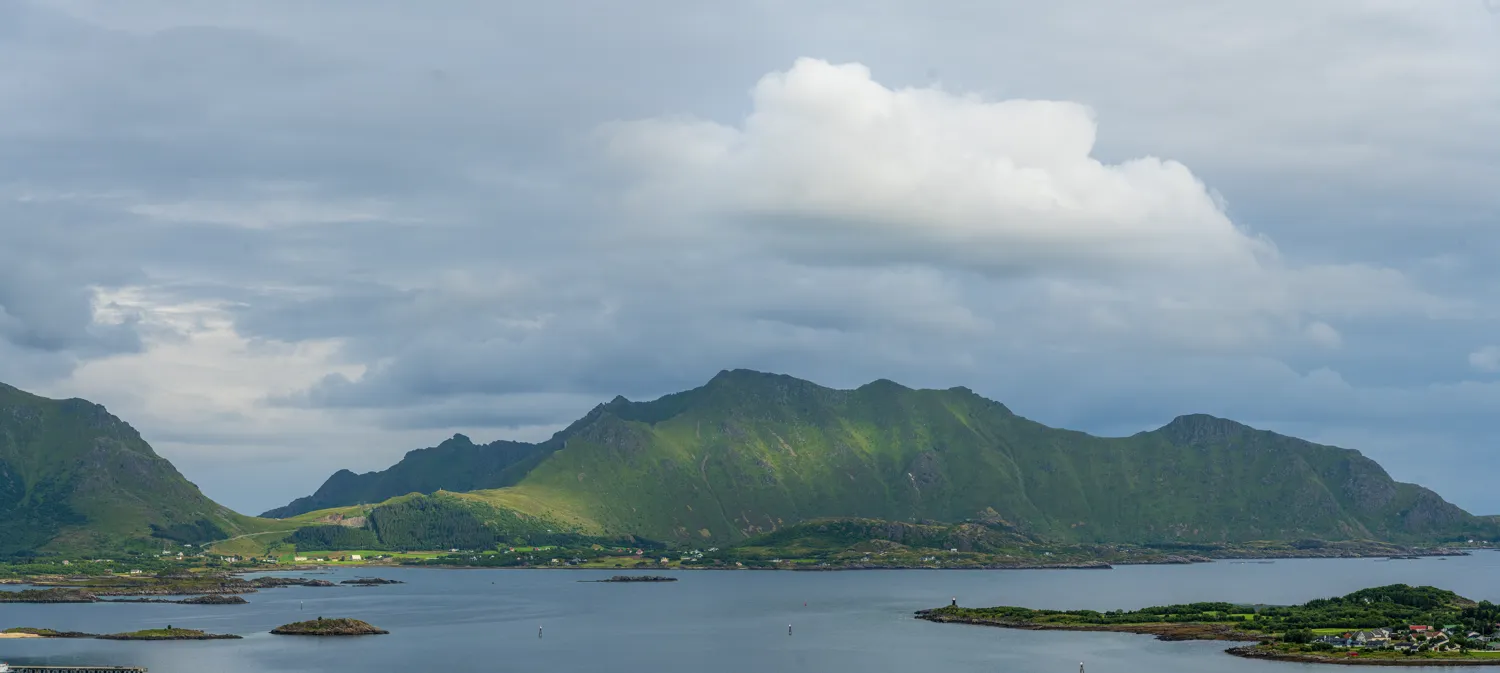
pixel 54 581
pixel 1255 652
pixel 1185 631
pixel 1174 559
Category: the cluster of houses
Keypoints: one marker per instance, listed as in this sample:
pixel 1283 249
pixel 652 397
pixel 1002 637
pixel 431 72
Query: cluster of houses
pixel 1414 637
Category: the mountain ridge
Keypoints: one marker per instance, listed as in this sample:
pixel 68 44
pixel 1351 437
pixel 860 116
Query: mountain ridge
pixel 456 464
pixel 749 452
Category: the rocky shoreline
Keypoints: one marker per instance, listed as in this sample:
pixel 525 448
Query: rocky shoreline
pixel 1266 654
pixel 1168 559
pixel 94 590
pixel 207 599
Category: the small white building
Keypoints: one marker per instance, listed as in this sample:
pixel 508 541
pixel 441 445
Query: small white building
pixel 299 558
pixel 356 557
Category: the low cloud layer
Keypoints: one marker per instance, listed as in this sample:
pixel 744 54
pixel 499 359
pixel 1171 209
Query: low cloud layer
pixel 286 238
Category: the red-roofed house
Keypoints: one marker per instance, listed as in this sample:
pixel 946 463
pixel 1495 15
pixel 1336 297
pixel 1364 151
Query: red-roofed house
pixel 1420 629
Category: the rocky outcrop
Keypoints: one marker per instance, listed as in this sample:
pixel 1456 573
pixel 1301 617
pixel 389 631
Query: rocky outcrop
pixel 214 600
pixel 268 582
pixel 328 627
pixel 48 596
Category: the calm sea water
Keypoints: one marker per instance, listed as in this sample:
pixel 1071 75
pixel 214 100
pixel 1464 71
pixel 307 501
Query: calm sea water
pixel 455 621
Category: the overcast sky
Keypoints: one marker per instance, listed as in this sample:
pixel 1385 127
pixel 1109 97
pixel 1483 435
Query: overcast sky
pixel 284 237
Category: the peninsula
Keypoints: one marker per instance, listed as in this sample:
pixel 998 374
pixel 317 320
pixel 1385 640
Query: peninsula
pixel 1390 625
pixel 168 633
pixel 635 578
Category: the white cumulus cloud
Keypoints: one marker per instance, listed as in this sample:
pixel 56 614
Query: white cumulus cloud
pixel 923 172
pixel 832 165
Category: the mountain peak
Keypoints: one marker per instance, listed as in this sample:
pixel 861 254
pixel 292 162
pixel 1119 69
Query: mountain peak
pixel 884 384
pixel 1202 429
pixel 743 376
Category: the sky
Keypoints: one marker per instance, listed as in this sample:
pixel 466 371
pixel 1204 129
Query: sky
pixel 282 238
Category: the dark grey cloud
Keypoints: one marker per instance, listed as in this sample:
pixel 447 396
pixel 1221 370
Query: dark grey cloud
pixel 320 234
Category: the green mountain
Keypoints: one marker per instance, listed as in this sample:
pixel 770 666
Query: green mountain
pixel 751 453
pixel 457 464
pixel 74 477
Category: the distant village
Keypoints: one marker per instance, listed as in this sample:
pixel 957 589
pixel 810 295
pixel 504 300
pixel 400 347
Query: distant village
pixel 1416 637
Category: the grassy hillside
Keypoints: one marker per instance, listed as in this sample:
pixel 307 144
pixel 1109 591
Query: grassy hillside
pixel 74 477
pixel 416 522
pixel 751 453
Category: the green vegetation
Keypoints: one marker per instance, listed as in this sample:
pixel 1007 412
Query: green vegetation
pixel 1396 607
pixel 74 478
pixel 195 533
pixel 334 538
pixel 414 522
pixel 430 523
pixel 750 453
pixel 740 463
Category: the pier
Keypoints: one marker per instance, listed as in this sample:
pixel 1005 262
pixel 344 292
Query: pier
pixel 22 668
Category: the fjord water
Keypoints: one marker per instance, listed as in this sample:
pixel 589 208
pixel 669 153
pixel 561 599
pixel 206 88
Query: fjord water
pixel 455 621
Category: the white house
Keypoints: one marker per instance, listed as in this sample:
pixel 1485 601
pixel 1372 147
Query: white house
pixel 299 558
pixel 356 557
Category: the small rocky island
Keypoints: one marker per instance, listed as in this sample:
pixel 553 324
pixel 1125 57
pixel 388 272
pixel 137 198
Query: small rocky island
pixel 636 578
pixel 328 627
pixel 168 633
pixel 1396 625
pixel 370 581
